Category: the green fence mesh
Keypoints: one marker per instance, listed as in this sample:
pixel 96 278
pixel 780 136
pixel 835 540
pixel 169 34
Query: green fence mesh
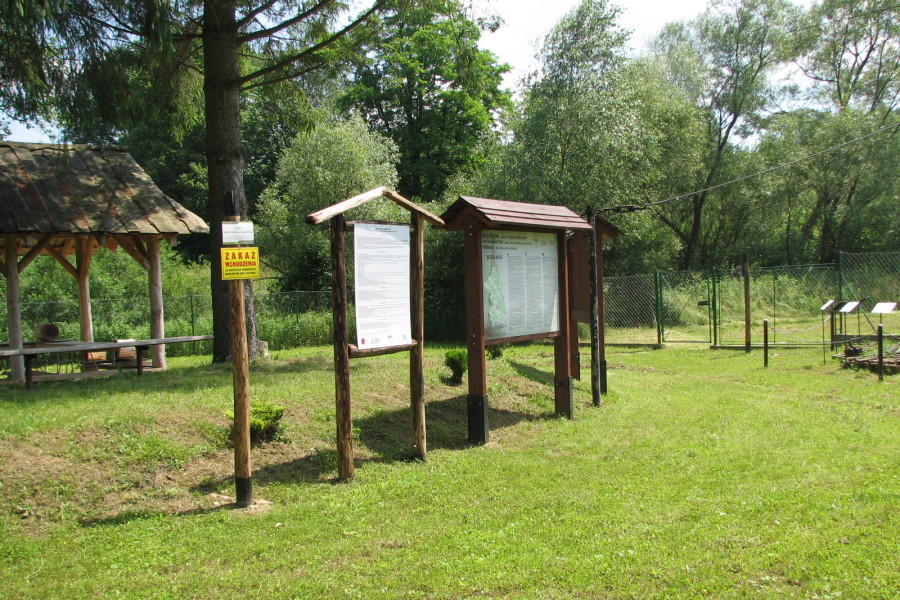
pixel 685 306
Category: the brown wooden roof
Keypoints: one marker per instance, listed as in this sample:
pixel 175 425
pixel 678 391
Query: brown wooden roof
pixel 499 213
pixel 74 189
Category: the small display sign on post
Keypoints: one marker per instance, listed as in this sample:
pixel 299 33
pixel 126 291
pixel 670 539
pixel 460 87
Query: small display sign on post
pixel 237 233
pixel 240 263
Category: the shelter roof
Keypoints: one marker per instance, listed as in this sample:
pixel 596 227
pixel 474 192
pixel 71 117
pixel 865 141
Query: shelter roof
pixel 78 190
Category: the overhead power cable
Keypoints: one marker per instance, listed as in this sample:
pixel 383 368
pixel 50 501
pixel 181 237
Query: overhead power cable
pixel 634 208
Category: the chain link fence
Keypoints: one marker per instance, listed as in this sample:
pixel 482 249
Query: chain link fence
pixel 711 306
pixel 685 306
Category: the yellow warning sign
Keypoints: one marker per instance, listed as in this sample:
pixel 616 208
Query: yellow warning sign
pixel 240 263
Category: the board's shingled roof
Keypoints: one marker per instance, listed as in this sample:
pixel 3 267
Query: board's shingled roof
pixel 76 189
pixel 499 213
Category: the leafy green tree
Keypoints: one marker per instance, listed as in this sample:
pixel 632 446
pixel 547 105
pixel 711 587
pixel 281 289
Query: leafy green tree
pixel 429 87
pixel 850 51
pixel 722 60
pixel 105 65
pixel 335 161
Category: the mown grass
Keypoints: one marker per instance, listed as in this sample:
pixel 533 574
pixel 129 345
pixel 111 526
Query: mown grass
pixel 703 475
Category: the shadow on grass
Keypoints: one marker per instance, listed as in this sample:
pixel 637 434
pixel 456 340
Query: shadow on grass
pixel 529 372
pixel 382 437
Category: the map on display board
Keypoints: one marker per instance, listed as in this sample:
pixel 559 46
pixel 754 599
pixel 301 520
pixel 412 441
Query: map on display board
pixel 381 278
pixel 521 283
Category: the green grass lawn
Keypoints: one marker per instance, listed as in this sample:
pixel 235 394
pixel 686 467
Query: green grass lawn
pixel 703 475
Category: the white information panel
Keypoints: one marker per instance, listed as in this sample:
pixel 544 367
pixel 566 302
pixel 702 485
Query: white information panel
pixel 381 279
pixel 521 283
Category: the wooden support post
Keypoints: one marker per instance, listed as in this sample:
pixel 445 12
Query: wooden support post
pixel 562 380
pixel 477 400
pixel 83 247
pixel 880 352
pixel 746 273
pixel 14 308
pixel 594 277
pixel 240 373
pixel 157 323
pixel 341 351
pixel 765 343
pixel 601 310
pixel 574 353
pixel 417 354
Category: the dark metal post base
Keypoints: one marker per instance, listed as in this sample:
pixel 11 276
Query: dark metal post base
pixel 478 418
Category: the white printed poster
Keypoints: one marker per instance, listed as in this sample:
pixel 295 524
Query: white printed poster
pixel 521 283
pixel 381 280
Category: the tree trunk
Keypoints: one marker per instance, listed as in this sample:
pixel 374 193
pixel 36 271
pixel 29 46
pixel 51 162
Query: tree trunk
pixel 225 160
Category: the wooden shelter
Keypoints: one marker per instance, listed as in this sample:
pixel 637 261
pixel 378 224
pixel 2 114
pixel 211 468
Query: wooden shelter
pixel 72 200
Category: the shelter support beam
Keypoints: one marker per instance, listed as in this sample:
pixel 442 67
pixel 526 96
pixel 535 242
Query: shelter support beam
pixel 13 307
pixel 157 322
pixel 83 250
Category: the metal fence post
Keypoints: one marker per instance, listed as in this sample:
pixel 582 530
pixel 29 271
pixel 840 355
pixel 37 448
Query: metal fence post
pixel 660 336
pixel 715 304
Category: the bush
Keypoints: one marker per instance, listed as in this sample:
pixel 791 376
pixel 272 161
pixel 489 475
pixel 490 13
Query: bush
pixel 458 363
pixel 265 421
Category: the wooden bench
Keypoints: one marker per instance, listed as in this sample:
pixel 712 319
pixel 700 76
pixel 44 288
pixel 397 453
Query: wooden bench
pixel 87 347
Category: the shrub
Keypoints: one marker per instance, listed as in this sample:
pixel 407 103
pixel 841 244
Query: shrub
pixel 458 363
pixel 265 421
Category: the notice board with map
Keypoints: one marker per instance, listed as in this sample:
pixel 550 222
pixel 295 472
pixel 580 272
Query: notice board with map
pixel 521 283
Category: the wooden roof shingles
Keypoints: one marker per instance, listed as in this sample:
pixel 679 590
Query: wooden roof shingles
pixel 76 189
pixel 502 213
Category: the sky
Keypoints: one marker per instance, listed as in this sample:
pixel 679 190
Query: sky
pixel 526 22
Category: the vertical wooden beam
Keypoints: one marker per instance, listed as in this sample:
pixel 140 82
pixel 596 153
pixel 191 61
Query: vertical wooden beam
pixel 477 400
pixel 157 323
pixel 417 354
pixel 343 404
pixel 601 314
pixel 562 380
pixel 14 307
pixel 574 351
pixel 240 373
pixel 83 248
pixel 594 277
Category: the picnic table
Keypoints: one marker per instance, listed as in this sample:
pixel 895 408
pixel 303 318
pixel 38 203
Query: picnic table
pixel 59 347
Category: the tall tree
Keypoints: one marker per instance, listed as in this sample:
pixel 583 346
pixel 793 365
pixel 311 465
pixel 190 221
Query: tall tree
pixel 577 133
pixel 724 58
pixel 429 87
pixel 850 50
pixel 121 61
pixel 338 159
